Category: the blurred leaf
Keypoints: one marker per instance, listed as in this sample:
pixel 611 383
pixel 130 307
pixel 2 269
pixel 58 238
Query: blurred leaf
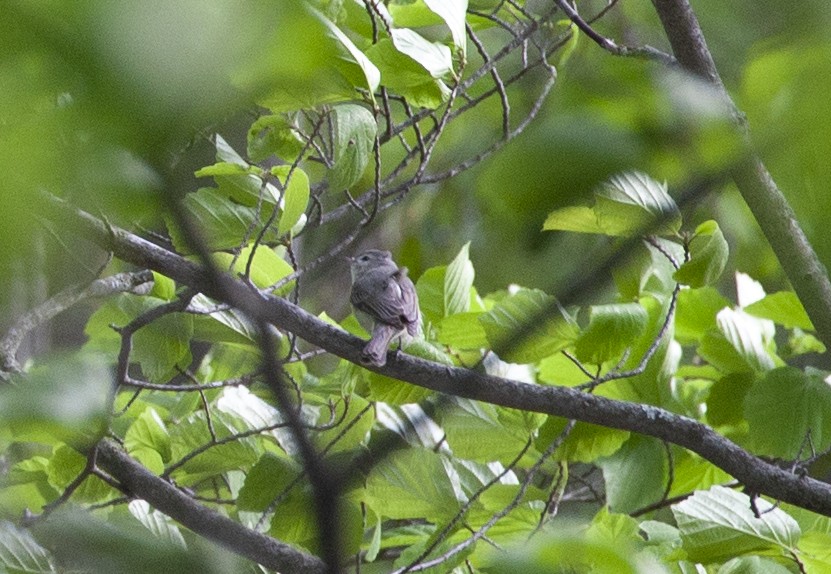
pixel 430 290
pixel 163 287
pixel 612 329
pixel 370 77
pixel 355 130
pixel 524 311
pixel 815 551
pixel 65 397
pixel 20 552
pixel 786 406
pixel 718 524
pixel 158 523
pixel 82 543
pixel 784 308
pixel 708 256
pixel 354 430
pixel 752 565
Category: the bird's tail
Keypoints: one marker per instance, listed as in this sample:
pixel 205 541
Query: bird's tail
pixel 375 351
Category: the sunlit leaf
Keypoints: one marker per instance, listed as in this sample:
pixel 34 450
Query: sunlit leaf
pixel 457 283
pixel 784 308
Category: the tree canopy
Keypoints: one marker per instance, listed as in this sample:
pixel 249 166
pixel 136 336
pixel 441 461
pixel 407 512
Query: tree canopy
pixel 613 214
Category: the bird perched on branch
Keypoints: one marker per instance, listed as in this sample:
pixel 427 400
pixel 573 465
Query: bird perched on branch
pixel 385 302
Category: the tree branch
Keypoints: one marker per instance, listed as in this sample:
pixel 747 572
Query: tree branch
pixel 770 208
pixel 757 475
pixel 162 495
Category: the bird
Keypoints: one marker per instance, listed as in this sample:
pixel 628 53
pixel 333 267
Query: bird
pixel 385 302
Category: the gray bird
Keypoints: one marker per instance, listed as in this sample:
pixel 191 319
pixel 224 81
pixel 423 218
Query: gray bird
pixel 385 302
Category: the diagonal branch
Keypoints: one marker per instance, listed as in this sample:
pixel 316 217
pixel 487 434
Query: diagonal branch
pixel 162 495
pixel 767 203
pixel 757 475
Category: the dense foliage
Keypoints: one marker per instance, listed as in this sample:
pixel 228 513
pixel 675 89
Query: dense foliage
pixel 616 373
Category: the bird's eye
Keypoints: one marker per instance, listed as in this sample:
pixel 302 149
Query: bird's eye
pixel 363 258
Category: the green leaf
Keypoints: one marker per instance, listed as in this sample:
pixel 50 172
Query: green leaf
pixel 453 12
pixel 718 524
pixel 273 135
pixel 462 331
pixel 724 395
pixel 163 287
pixel 157 522
pixel 353 432
pixel 295 197
pixel 815 552
pixel 405 76
pixel 66 465
pixel 192 433
pixel 708 256
pixel 20 552
pixel 148 433
pixel 355 130
pixel 753 565
pixel 392 391
pixel 223 168
pixel 612 329
pixel 786 406
pixel 696 313
pixel 784 308
pixel 222 222
pixel 635 475
pixel 626 205
pixel 741 344
pixel 245 185
pixel 270 476
pixel 267 268
pixel 691 472
pixel 551 328
pixel 458 280
pixel 163 347
pixel 370 76
pixel 480 432
pixel 414 483
pixel 585 443
pixel 430 290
